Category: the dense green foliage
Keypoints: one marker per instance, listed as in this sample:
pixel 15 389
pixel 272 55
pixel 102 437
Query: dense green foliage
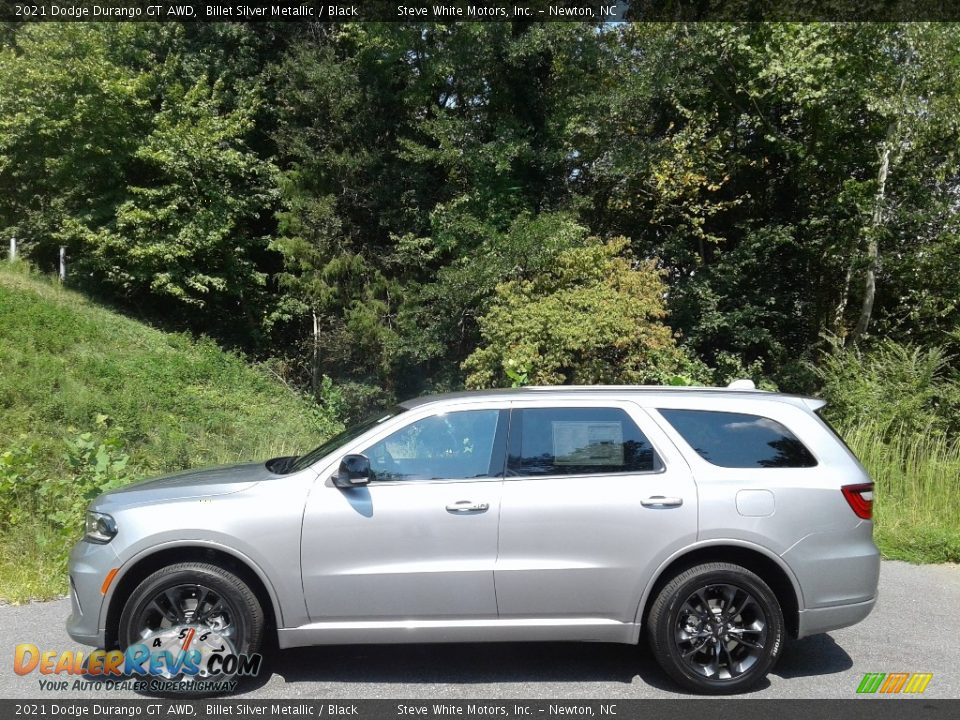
pixel 379 210
pixel 90 400
pixel 898 408
pixel 897 390
pixel 348 198
pixel 588 318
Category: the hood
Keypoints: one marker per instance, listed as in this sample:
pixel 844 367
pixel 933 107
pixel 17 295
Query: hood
pixel 189 484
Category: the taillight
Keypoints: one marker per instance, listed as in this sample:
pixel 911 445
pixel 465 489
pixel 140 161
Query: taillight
pixel 860 499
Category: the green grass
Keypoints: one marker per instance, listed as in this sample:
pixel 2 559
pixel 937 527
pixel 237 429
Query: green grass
pixel 180 403
pixel 917 500
pixel 32 563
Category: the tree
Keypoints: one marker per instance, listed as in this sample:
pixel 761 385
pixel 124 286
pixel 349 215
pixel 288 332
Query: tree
pixel 71 116
pixel 350 197
pixel 749 160
pixel 593 316
pixel 190 231
pixel 144 149
pixel 420 162
pixel 919 97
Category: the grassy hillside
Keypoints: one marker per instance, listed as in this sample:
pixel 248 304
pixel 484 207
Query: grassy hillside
pixel 89 397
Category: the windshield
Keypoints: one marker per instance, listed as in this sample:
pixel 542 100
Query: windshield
pixel 355 431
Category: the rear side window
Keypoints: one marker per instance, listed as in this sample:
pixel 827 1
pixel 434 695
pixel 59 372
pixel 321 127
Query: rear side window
pixel 737 440
pixel 577 441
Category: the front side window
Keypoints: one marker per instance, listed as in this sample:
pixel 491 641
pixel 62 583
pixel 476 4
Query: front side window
pixel 738 440
pixel 448 446
pixel 577 441
pixel 304 461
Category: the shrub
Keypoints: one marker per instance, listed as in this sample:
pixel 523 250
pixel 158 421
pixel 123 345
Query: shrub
pixel 896 389
pixel 19 478
pixel 95 461
pixel 593 315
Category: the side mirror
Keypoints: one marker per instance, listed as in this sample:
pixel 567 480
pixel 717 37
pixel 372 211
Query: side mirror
pixel 354 471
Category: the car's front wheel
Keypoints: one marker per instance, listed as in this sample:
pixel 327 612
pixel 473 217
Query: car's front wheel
pixel 716 628
pixel 197 607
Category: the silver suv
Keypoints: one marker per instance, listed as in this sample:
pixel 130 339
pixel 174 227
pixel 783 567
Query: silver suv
pixel 716 521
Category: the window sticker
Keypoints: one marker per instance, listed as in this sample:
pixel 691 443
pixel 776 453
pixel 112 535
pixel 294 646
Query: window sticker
pixel 587 443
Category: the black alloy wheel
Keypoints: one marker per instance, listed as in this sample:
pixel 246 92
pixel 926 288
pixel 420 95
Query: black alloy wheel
pixel 193 606
pixel 716 628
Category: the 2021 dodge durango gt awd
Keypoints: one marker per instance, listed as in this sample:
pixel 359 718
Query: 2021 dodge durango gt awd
pixel 717 522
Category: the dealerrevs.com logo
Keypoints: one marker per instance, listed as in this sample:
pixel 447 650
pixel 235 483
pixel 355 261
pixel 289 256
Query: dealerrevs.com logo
pixel 894 683
pixel 174 660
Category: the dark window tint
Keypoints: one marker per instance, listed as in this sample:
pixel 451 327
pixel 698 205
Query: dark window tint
pixel 449 446
pixel 736 440
pixel 577 441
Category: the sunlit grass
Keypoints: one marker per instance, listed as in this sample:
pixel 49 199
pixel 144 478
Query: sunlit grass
pixel 917 500
pixel 33 564
pixel 181 403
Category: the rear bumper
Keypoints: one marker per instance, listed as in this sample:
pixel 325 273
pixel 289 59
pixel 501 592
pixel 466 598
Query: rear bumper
pixel 821 620
pixel 838 572
pixel 836 568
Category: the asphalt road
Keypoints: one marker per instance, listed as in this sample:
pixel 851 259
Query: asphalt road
pixel 914 628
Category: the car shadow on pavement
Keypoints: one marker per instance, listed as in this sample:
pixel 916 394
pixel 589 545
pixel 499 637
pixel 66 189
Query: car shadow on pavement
pixel 814 655
pixel 512 663
pixel 467 663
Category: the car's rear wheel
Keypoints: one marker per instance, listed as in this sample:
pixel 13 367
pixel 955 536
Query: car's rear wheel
pixel 194 606
pixel 716 628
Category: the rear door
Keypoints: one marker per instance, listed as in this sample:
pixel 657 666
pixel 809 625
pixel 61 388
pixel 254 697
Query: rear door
pixel 594 499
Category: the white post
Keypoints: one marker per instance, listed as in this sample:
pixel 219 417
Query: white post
pixel 63 264
pixel 13 249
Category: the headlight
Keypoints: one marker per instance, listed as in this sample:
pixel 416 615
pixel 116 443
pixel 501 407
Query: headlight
pixel 99 528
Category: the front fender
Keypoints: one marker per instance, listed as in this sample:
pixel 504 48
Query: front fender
pixel 144 556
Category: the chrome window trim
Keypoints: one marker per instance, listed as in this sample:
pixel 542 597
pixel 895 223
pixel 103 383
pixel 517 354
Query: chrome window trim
pixel 659 471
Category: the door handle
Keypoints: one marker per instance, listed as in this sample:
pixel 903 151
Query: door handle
pixel 661 501
pixel 468 506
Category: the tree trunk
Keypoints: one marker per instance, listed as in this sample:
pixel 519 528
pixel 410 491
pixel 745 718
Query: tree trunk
pixel 315 357
pixel 873 232
pixel 892 143
pixel 841 309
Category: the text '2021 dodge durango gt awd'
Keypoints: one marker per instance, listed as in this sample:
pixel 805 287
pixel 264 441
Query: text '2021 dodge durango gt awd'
pixel 715 521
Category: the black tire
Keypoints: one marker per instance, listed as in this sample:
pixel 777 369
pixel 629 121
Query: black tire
pixel 706 624
pixel 242 611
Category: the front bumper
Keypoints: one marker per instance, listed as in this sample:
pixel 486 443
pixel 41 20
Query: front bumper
pixel 89 566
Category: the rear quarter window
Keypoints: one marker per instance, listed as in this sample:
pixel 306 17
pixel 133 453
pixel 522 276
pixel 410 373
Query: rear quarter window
pixel 739 440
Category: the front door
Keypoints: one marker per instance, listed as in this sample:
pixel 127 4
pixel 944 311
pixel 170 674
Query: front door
pixel 594 499
pixel 420 541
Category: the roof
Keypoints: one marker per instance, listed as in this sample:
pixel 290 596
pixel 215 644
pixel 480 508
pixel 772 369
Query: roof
pixel 619 390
